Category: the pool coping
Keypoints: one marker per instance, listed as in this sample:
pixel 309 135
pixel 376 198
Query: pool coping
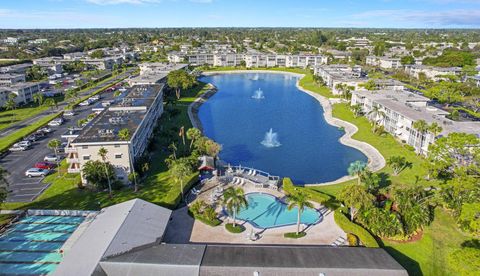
pixel 256 226
pixel 376 161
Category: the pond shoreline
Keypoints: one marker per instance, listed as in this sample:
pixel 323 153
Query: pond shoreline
pixel 376 161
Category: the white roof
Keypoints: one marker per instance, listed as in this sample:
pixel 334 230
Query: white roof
pixel 115 230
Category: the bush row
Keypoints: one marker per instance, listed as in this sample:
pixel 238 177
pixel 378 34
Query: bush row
pixel 349 227
pixel 313 195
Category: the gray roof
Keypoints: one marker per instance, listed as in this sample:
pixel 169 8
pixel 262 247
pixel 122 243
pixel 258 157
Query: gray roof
pixel 164 259
pixel 194 259
pixel 115 230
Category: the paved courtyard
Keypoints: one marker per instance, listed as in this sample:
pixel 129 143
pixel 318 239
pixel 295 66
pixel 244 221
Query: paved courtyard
pixel 183 229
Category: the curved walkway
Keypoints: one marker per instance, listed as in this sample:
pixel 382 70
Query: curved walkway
pixel 376 161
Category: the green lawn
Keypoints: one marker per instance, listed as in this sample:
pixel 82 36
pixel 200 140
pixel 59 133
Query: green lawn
pixel 388 146
pixel 157 187
pixel 428 256
pixel 10 139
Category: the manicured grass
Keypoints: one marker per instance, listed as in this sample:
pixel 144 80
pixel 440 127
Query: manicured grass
pixel 293 235
pixel 428 256
pixel 388 146
pixel 234 229
pixel 11 139
pixel 10 117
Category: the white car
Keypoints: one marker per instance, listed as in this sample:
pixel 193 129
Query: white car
pixel 17 148
pixel 24 143
pixel 56 122
pixel 36 172
pixel 51 158
pixel 69 113
pixel 84 103
pixel 45 129
pixel 95 98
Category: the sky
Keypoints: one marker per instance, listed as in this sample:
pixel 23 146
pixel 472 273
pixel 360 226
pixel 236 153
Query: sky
pixel 239 13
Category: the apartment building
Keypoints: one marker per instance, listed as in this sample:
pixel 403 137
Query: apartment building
pixel 335 74
pixel 155 72
pixel 402 109
pixel 16 68
pixel 432 72
pixel 11 79
pixel 137 112
pixel 384 62
pixel 24 92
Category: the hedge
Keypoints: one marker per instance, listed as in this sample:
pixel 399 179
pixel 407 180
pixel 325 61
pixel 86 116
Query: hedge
pixel 349 227
pixel 290 188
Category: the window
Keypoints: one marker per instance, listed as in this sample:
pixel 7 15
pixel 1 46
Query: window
pixel 116 146
pixel 84 147
pixel 118 155
pixel 86 157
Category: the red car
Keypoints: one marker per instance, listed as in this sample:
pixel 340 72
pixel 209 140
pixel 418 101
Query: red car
pixel 45 165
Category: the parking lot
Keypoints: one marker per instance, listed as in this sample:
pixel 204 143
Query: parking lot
pixel 25 189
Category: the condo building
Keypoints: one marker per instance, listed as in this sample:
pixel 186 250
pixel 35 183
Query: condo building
pixel 335 74
pixel 136 112
pixel 401 109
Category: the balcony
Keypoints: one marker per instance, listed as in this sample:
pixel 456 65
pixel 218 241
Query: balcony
pixel 73 170
pixel 70 150
pixel 73 160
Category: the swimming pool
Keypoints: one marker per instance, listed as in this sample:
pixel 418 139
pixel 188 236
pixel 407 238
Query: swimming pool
pixel 32 245
pixel 267 211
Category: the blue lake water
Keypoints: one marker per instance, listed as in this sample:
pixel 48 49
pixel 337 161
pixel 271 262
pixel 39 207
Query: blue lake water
pixel 266 211
pixel 308 148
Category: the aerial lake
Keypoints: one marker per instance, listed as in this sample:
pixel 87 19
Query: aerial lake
pixel 263 121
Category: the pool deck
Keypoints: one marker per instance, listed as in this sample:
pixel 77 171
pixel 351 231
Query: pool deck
pixel 376 161
pixel 184 229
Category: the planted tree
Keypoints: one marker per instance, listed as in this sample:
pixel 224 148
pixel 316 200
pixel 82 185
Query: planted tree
pixel 300 201
pixel 421 126
pixel 102 152
pixel 124 134
pixel 38 98
pixel 376 115
pixel 357 168
pixel 193 134
pixel 179 171
pixel 356 109
pixel 356 197
pixel 234 199
pixel 95 173
pixel 397 163
pixel 180 79
pixel 54 145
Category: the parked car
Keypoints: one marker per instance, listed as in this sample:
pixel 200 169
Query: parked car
pixel 45 165
pixel 69 113
pixel 34 172
pixel 45 129
pixel 40 133
pixel 52 158
pixel 24 143
pixel 106 103
pixel 84 103
pixel 95 98
pixel 56 122
pixel 32 138
pixel 17 148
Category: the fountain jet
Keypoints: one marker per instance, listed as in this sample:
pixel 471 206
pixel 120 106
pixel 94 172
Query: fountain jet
pixel 271 139
pixel 258 95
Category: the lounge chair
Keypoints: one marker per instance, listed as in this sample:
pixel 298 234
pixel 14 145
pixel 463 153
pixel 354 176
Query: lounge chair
pixel 254 173
pixel 242 182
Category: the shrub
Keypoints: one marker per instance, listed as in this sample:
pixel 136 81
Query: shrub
pixel 465 261
pixel 234 229
pixel 293 235
pixel 349 227
pixel 204 213
pixel 289 188
pixel 352 239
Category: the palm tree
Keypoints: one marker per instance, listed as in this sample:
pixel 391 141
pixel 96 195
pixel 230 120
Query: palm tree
pixel 300 201
pixel 355 197
pixel 421 127
pixel 173 148
pixel 357 168
pixel 38 98
pixel 54 144
pixel 435 129
pixel 179 171
pixel 234 199
pixel 377 115
pixel 102 152
pixel 124 134
pixel 193 134
pixel 10 105
pixel 356 109
pixel 50 103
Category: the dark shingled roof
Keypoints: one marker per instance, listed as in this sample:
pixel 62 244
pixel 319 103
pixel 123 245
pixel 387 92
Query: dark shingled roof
pixel 197 259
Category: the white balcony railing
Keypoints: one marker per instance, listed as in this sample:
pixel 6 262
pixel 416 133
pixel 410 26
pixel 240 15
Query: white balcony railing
pixel 73 170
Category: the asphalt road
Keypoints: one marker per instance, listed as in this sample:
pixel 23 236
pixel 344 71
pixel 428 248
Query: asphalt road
pixel 26 122
pixel 22 188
